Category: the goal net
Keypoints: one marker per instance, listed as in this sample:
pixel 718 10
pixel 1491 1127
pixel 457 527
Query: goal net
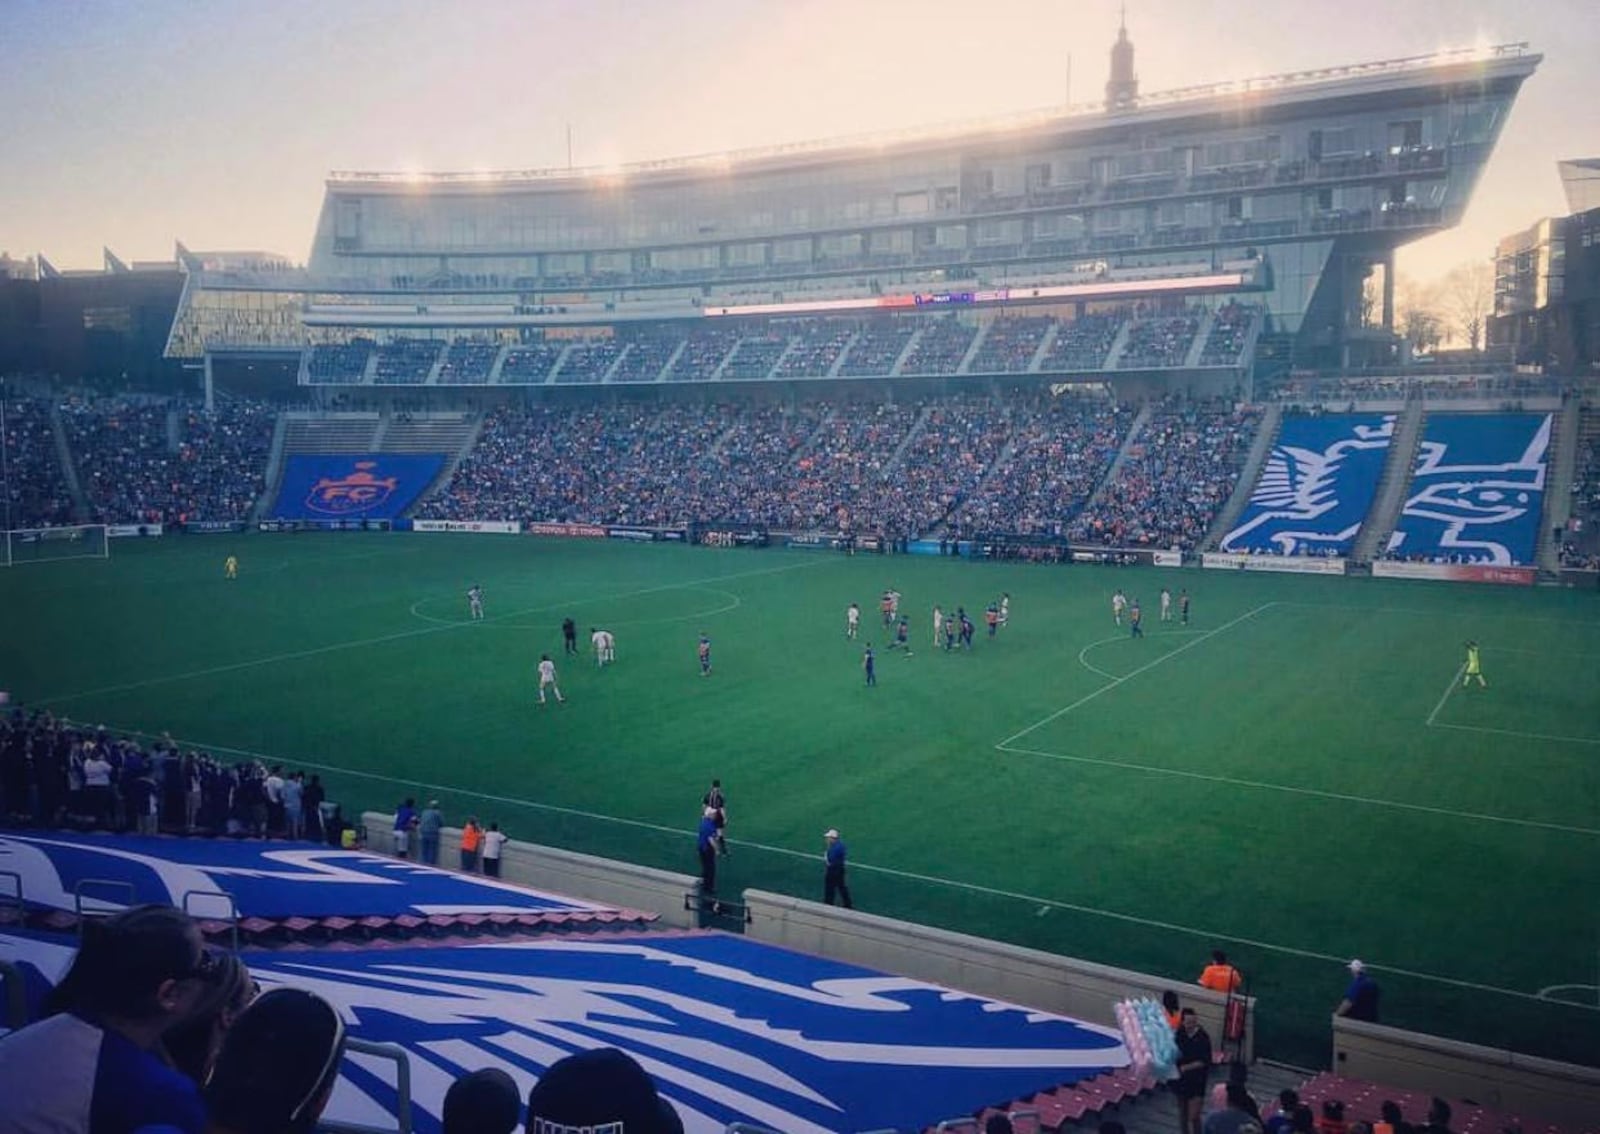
pixel 44 545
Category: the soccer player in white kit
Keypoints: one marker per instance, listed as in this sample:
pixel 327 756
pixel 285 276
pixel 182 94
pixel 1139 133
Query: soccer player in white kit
pixel 1166 605
pixel 938 624
pixel 1119 603
pixel 475 602
pixel 605 646
pixel 1005 608
pixel 547 677
pixel 852 621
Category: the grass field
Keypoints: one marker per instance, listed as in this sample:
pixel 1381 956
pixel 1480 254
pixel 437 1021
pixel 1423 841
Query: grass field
pixel 1295 777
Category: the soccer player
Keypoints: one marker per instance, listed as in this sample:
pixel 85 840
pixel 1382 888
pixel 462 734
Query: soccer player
pixel 547 677
pixel 867 664
pixel 1005 607
pixel 1119 603
pixel 1183 605
pixel 230 567
pixel 902 636
pixel 605 646
pixel 852 621
pixel 886 608
pixel 949 633
pixel 704 650
pixel 991 618
pixel 894 604
pixel 938 625
pixel 1474 668
pixel 569 635
pixel 475 602
pixel 1136 619
pixel 966 627
pixel 1166 605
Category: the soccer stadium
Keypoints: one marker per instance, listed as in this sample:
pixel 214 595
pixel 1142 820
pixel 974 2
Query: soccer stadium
pixel 856 626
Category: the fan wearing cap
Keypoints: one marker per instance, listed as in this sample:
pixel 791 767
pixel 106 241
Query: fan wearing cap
pixel 833 883
pixel 92 1065
pixel 482 1102
pixel 604 1088
pixel 1361 998
pixel 277 1066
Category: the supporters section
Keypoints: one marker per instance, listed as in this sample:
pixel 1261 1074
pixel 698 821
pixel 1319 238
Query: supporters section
pixel 357 486
pixel 1477 491
pixel 1316 487
pixel 266 880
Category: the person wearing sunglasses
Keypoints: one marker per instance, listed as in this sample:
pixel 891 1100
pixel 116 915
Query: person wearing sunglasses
pixel 277 1066
pixel 93 1065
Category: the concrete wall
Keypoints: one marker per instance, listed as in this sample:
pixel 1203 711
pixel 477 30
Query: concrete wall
pixel 1491 1077
pixel 584 876
pixel 1012 973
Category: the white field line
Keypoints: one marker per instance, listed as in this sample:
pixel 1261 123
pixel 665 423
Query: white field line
pixel 359 643
pixel 1149 665
pixel 1448 689
pixel 1592 740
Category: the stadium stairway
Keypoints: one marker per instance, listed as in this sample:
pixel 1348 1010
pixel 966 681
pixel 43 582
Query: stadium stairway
pixel 463 440
pixel 1558 490
pixel 1391 494
pixel 1245 486
pixel 912 434
pixel 1202 336
pixel 273 476
pixel 906 352
pixel 1113 357
pixel 69 468
pixel 1045 344
pixel 1135 431
pixel 974 347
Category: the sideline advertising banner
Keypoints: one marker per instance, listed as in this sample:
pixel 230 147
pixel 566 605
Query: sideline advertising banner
pixel 1455 572
pixel 1167 558
pixel 498 527
pixel 125 531
pixel 1279 564
pixel 571 531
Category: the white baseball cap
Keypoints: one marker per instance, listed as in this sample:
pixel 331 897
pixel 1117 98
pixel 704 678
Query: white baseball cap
pixel 830 833
pixel 1357 966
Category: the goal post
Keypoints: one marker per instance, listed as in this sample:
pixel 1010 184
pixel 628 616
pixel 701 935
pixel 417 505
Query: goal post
pixel 49 545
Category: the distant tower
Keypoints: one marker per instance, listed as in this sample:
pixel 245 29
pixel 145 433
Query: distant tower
pixel 1123 89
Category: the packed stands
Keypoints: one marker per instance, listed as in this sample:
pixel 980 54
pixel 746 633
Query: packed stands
pixel 817 348
pixel 1230 334
pixel 1316 487
pixel 647 355
pixel 940 467
pixel 1580 550
pixel 37 489
pixel 160 462
pixel 756 355
pixel 703 354
pixel 588 361
pixel 530 363
pixel 1083 343
pixel 877 348
pixel 406 362
pixel 833 485
pixel 1162 341
pixel 1010 344
pixel 1477 490
pixel 940 347
pixel 1060 450
pixel 1179 472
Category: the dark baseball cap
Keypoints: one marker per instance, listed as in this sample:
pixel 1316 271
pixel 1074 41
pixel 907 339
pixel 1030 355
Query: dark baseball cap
pixel 277 1064
pixel 603 1091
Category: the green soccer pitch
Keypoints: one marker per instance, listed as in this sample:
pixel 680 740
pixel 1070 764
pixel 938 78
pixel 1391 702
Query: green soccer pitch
pixel 1296 777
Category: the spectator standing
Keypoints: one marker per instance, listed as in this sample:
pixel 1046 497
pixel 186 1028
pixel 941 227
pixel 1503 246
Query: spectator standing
pixel 1360 997
pixel 1169 1006
pixel 405 818
pixel 1283 1121
pixel 494 842
pixel 833 881
pixel 718 802
pixel 1194 1067
pixel 94 1064
pixel 97 785
pixel 1219 975
pixel 706 847
pixel 471 842
pixel 313 800
pixel 1438 1117
pixel 294 809
pixel 272 788
pixel 1391 1120
pixel 429 823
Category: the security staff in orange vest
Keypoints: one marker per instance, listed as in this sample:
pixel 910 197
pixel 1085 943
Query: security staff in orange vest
pixel 1219 976
pixel 471 843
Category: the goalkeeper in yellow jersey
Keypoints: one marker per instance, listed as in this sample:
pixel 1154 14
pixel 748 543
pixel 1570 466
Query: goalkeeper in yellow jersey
pixel 230 567
pixel 1474 668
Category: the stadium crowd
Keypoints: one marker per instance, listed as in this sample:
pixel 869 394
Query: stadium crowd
pixel 36 491
pixel 1180 471
pixel 1579 550
pixel 159 461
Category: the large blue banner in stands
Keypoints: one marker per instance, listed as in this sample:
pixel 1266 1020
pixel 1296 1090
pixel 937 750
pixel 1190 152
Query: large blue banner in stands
pixel 354 486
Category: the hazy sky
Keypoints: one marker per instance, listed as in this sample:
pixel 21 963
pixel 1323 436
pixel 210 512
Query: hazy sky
pixel 134 124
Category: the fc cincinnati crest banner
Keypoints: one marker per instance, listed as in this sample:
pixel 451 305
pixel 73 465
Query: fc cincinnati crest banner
pixel 363 486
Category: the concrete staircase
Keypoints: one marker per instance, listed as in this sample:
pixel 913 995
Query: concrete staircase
pixel 1562 465
pixel 1202 336
pixel 1390 497
pixel 1049 340
pixel 1245 486
pixel 69 468
pixel 1155 1112
pixel 906 352
pixel 274 474
pixel 974 347
pixel 466 432
pixel 1135 431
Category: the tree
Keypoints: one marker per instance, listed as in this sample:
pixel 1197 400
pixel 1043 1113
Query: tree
pixel 1417 315
pixel 1468 297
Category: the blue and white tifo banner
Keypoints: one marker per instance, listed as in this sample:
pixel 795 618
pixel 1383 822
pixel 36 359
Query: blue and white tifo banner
pixel 1477 492
pixel 354 486
pixel 730 1029
pixel 1316 486
pixel 266 880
